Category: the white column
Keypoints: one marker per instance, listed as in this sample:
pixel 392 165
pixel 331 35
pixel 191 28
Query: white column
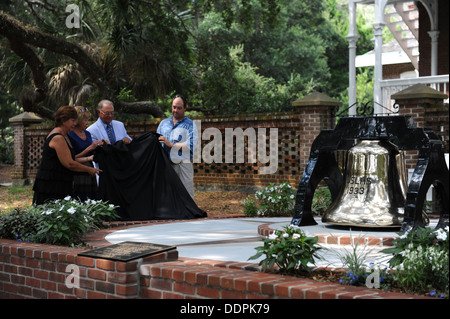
pixel 352 38
pixel 434 35
pixel 378 26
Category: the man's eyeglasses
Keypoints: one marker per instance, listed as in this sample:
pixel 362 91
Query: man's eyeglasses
pixel 107 113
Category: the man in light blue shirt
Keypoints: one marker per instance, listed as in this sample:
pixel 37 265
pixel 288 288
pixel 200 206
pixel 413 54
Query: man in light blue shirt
pixel 179 136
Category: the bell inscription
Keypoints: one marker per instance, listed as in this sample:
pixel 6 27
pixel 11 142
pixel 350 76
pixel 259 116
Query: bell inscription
pixel 374 195
pixel 358 185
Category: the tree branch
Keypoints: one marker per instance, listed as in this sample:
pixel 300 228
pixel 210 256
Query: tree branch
pixel 16 32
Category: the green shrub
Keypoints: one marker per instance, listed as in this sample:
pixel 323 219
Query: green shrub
pixel 290 249
pixel 250 207
pixel 421 260
pixel 19 224
pixel 61 222
pixel 321 201
pixel 276 200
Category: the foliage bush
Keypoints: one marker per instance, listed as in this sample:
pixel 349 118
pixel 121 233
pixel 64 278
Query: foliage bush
pixel 274 200
pixel 19 224
pixel 61 222
pixel 290 249
pixel 421 260
pixel 279 200
pixel 321 201
pixel 419 263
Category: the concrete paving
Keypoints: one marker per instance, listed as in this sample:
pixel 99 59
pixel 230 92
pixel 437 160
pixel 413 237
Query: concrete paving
pixel 235 239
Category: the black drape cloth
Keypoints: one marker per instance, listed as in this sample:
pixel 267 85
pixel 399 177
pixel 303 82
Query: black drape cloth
pixel 139 178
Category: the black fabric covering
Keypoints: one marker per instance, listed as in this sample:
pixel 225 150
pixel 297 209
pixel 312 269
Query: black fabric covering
pixel 139 178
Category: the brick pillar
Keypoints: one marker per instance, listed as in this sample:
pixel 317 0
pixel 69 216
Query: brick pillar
pixel 425 106
pixel 19 123
pixel 316 113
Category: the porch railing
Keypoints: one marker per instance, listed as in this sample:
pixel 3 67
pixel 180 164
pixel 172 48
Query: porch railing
pixel 390 87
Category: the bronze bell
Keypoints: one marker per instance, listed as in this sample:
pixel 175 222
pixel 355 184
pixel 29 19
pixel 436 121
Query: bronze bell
pixel 375 187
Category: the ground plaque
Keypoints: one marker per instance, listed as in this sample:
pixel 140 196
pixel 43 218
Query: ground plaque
pixel 126 251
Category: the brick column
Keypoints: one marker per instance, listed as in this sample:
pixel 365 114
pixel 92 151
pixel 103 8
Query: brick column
pixel 425 106
pixel 19 123
pixel 316 113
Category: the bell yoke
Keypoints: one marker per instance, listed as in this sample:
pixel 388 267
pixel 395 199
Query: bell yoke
pixel 373 191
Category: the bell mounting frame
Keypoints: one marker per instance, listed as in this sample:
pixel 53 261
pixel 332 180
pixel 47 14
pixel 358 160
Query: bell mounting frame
pixel 430 169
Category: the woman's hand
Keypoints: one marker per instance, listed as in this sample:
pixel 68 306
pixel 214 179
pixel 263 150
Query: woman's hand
pixel 94 171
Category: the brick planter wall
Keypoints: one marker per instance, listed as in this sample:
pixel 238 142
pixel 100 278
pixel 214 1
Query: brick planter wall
pixel 37 271
pixel 29 270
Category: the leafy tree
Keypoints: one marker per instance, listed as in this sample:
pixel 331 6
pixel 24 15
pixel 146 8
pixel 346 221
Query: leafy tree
pixel 227 56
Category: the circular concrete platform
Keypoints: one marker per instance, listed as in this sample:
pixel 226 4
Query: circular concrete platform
pixel 235 239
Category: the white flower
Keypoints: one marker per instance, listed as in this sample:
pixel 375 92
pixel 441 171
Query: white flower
pixel 67 197
pixel 292 196
pixel 47 212
pixel 272 236
pixel 295 236
pixel 285 235
pixel 441 234
pixel 71 210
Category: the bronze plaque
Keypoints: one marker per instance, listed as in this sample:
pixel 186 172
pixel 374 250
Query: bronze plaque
pixel 126 251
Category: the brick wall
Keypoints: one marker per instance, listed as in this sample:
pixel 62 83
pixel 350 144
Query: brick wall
pixel 430 113
pixel 295 133
pixel 35 271
pixel 29 270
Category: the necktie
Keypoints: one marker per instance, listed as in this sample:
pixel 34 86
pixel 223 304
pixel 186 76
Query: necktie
pixel 109 129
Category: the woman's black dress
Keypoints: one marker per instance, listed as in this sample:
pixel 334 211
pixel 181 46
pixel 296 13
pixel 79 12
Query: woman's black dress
pixel 53 180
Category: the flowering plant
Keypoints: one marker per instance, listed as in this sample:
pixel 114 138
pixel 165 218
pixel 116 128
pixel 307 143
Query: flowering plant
pixel 290 249
pixel 274 200
pixel 65 221
pixel 421 260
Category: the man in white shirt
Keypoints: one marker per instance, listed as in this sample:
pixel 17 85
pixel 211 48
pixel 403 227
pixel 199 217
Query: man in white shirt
pixel 106 128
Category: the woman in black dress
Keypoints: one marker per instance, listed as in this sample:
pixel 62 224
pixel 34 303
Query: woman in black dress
pixel 54 178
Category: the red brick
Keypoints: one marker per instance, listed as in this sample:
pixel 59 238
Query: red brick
pixel 208 292
pixel 151 293
pixel 96 274
pixel 161 284
pixel 127 290
pixel 129 266
pixel 85 261
pixel 105 264
pixel 184 288
pixel 48 285
pixel 123 278
pixel 231 294
pixel 33 282
pixel 106 287
pixel 95 295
